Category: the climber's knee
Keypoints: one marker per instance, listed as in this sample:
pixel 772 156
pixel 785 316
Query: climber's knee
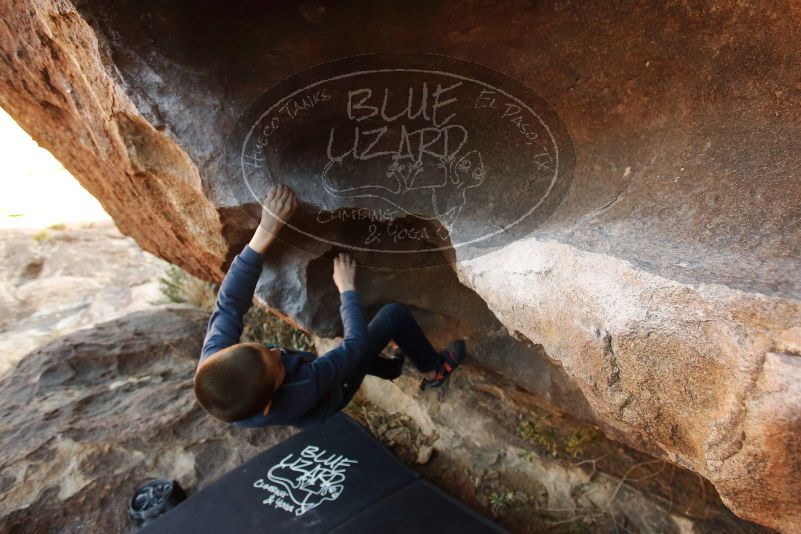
pixel 396 310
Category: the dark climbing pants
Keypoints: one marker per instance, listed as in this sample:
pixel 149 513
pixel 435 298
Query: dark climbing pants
pixel 393 322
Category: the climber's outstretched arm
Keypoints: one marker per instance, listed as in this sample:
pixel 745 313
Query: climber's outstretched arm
pixel 236 292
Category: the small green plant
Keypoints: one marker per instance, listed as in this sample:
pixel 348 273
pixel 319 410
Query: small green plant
pixel 577 441
pixel 260 326
pixel 536 431
pixel 263 327
pixel 42 236
pixel 180 287
pixel 500 500
pixel 57 227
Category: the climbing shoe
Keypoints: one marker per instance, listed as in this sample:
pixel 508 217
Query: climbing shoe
pixel 450 359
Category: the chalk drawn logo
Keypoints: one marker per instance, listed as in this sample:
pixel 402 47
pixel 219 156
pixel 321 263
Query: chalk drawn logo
pixel 405 159
pixel 299 483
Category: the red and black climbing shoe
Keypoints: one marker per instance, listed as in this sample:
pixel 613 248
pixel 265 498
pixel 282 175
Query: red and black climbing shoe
pixel 450 360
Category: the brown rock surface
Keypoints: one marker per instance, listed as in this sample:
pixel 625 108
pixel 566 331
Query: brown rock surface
pixel 89 416
pixel 656 300
pixel 52 64
pixel 690 374
pixel 61 279
pixel 490 438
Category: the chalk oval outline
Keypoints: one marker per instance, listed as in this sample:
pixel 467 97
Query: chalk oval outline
pixel 453 246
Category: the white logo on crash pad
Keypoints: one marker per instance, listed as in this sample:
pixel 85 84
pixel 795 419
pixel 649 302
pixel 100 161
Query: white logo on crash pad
pixel 299 483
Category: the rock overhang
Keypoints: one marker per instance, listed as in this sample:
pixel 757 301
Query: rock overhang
pixel 659 283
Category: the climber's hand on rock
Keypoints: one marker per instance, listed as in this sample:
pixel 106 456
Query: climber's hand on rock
pixel 344 272
pixel 277 208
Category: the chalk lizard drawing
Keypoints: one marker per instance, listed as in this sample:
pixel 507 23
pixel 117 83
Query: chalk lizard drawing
pixel 446 192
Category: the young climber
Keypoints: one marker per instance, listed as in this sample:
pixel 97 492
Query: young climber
pixel 250 384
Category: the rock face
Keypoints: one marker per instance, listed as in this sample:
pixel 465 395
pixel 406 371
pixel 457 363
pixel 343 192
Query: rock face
pixel 62 279
pixel 659 298
pixel 88 417
pixel 490 438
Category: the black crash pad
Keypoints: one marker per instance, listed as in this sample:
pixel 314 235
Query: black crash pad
pixel 333 477
pixel 418 507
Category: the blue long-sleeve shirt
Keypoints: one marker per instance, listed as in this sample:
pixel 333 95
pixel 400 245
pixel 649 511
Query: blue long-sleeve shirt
pixel 312 388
